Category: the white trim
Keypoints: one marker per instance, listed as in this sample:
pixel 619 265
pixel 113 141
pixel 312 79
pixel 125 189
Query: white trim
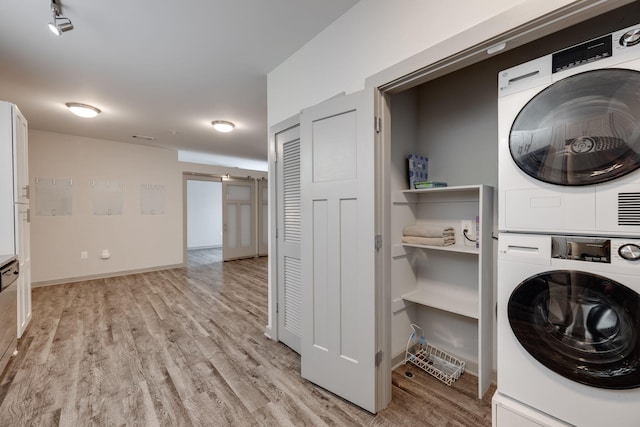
pixel 521 24
pixel 104 275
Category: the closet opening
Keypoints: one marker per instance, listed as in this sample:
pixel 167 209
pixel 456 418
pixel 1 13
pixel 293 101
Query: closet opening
pixel 447 112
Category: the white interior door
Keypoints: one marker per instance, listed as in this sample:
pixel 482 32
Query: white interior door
pixel 238 221
pixel 289 237
pixel 338 247
pixel 263 217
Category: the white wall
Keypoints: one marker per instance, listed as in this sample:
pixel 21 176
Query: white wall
pixel 136 242
pixel 372 36
pixel 204 214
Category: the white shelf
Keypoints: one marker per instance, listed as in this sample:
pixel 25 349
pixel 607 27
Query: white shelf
pixel 442 283
pixel 464 305
pixel 442 194
pixel 450 248
pixel 453 189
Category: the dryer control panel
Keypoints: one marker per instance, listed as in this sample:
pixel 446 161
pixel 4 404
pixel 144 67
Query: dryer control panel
pixel 584 53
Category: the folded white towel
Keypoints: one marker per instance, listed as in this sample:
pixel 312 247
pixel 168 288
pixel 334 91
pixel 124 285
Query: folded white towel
pixel 427 231
pixel 429 241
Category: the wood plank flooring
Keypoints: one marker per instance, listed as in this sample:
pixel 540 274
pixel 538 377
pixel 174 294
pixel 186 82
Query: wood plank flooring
pixel 185 347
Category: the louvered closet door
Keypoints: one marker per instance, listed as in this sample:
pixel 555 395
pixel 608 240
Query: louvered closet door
pixel 289 273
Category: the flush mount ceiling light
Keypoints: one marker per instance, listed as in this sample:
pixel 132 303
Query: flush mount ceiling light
pixel 82 110
pixel 223 126
pixel 59 24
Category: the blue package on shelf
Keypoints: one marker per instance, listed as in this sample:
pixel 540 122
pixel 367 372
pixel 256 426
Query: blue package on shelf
pixel 418 169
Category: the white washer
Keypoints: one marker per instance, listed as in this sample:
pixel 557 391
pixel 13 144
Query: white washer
pixel 569 140
pixel 569 327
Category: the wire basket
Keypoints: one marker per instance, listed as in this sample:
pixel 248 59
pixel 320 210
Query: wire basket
pixel 431 359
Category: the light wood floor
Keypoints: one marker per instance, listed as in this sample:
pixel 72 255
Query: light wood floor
pixel 186 347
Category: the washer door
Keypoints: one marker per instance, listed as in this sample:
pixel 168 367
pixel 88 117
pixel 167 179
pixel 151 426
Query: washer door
pixel 584 129
pixel 580 325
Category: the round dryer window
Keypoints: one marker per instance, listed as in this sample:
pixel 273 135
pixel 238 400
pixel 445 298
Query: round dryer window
pixel 584 129
pixel 580 325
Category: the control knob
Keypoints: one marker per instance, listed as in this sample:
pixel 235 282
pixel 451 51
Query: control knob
pixel 629 251
pixel 630 38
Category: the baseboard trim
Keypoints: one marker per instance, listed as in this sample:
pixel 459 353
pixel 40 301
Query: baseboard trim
pixel 397 360
pixel 104 275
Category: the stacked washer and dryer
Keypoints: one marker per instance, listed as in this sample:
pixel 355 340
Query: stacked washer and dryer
pixel 569 244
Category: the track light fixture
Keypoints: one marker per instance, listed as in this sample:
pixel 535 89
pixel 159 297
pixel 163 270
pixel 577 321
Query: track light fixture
pixel 59 24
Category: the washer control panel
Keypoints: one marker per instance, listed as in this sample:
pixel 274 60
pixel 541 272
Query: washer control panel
pixel 588 249
pixel 594 249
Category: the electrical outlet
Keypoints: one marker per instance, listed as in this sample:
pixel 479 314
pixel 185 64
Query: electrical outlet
pixel 471 232
pixel 83 255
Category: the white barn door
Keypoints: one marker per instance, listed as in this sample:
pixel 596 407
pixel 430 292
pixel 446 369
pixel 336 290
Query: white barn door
pixel 289 237
pixel 238 221
pixel 263 217
pixel 338 247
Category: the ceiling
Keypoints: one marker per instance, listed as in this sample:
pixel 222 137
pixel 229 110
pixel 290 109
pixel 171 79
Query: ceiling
pixel 158 68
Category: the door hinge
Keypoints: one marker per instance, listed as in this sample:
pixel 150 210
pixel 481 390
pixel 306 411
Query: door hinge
pixel 378 242
pixel 378 124
pixel 277 308
pixel 378 358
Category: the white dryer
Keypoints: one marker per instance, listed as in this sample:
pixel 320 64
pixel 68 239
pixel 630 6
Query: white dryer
pixel 569 140
pixel 569 327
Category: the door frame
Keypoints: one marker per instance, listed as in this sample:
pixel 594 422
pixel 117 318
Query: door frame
pixel 446 57
pixel 197 176
pixel 191 176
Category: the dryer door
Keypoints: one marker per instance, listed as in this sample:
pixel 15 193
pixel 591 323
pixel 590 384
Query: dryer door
pixel 584 129
pixel 580 325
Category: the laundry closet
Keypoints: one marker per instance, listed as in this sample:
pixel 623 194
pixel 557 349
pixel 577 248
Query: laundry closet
pixel 449 291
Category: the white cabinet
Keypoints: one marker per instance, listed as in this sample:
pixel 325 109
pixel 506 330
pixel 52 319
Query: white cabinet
pixel 452 285
pixel 14 202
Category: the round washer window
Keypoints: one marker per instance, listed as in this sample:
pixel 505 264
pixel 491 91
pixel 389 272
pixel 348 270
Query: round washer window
pixel 584 129
pixel 580 325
